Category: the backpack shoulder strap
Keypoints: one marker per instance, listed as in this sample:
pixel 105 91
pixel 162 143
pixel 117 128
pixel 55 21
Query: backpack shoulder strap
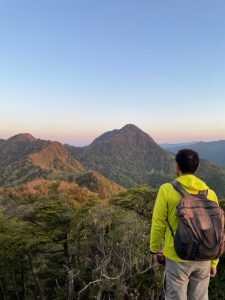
pixel 178 187
pixel 167 220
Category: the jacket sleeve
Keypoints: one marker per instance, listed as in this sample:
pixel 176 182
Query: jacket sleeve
pixel 159 221
pixel 214 262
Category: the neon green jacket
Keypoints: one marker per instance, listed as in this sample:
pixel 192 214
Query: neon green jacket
pixel 165 204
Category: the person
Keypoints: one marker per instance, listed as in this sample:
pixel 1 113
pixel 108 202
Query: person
pixel 182 279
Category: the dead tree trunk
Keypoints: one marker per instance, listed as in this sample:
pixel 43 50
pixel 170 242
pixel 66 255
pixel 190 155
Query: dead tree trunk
pixel 71 285
pixel 37 284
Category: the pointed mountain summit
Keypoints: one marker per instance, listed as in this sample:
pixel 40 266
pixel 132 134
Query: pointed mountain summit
pixel 127 156
pixel 129 132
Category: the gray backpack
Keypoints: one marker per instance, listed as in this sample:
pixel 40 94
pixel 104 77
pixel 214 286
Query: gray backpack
pixel 200 233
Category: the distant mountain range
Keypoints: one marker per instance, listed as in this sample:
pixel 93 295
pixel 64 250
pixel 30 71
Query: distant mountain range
pixel 122 157
pixel 169 146
pixel 213 151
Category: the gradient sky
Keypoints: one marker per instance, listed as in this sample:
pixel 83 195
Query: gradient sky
pixel 71 70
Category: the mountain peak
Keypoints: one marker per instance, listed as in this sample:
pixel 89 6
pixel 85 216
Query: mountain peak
pixel 129 130
pixel 22 137
pixel 130 127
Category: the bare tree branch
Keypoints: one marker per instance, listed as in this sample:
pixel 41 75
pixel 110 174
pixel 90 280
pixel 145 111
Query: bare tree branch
pixel 146 270
pixel 117 277
pixel 150 267
pixel 90 283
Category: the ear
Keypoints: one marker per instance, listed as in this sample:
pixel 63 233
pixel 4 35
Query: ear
pixel 178 171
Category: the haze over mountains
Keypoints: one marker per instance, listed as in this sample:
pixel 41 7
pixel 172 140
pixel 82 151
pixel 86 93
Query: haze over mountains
pixel 214 151
pixel 121 157
pixel 169 146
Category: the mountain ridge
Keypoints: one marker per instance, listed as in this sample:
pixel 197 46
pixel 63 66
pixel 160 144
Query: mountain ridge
pixel 126 156
pixel 213 150
pixel 23 158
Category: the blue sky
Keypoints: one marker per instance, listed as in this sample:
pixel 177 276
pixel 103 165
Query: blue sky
pixel 70 70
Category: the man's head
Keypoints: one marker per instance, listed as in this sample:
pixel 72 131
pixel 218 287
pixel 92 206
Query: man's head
pixel 187 161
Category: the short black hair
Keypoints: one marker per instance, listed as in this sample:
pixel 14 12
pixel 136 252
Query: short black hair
pixel 187 160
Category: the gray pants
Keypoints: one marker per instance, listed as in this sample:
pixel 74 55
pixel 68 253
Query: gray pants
pixel 186 280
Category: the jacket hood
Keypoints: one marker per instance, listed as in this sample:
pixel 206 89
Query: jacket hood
pixel 192 182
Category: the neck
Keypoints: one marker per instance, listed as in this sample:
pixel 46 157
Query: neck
pixel 181 174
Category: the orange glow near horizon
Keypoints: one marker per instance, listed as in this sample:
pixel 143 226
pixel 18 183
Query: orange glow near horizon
pixel 84 136
pixel 187 135
pixel 77 138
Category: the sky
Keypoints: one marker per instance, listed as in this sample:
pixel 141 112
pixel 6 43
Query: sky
pixel 71 70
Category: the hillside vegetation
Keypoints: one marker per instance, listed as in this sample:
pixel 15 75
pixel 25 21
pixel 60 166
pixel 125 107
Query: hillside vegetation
pixel 59 241
pixel 57 246
pixel 97 183
pixel 69 232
